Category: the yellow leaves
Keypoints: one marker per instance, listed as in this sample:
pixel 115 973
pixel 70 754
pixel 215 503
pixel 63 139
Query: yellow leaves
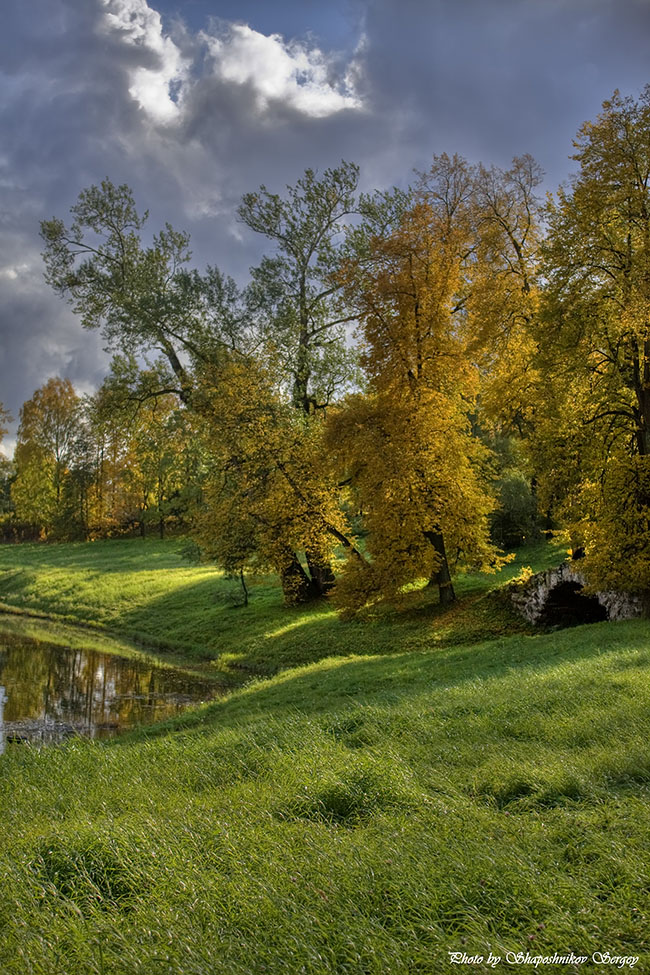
pixel 273 491
pixel 414 469
pixel 406 448
pixel 510 383
pixel 615 525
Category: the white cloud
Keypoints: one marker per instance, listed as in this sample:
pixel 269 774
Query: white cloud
pixel 11 273
pixel 281 71
pixel 156 89
pixel 277 70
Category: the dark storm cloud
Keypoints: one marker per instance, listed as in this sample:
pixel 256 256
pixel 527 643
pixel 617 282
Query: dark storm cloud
pixel 493 79
pixel 49 98
pixel 83 100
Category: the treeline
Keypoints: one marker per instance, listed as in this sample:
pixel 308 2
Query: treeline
pixel 410 382
pixel 95 466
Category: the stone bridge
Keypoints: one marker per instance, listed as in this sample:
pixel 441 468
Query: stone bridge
pixel 555 597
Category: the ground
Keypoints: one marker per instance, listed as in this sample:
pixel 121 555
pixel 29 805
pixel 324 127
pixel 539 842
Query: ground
pixel 410 791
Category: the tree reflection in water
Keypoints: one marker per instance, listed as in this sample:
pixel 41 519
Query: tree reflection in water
pixel 54 691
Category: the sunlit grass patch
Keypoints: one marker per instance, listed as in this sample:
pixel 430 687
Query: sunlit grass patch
pixel 143 590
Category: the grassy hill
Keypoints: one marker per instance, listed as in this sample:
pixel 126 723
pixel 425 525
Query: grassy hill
pixel 146 591
pixel 363 814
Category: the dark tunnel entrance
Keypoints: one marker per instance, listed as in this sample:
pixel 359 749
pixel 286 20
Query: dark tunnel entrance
pixel 568 606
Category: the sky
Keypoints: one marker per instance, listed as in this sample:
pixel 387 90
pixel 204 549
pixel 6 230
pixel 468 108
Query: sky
pixel 194 102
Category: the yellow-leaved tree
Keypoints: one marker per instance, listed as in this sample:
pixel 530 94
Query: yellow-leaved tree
pixel 406 445
pixel 594 339
pixel 270 488
pixel 46 449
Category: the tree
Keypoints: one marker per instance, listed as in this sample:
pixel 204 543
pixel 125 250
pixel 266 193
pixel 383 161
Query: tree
pixel 595 336
pixel 142 297
pixel 407 447
pixel 154 462
pixel 146 455
pixel 304 314
pixel 47 442
pixel 268 494
pixel 598 269
pixel 145 298
pixel 295 287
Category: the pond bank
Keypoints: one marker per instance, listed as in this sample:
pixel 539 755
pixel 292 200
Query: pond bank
pixel 55 684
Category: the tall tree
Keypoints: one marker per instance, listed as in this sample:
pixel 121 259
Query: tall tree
pixel 595 340
pixel 269 491
pixel 598 268
pixel 407 446
pixel 305 314
pixel 145 298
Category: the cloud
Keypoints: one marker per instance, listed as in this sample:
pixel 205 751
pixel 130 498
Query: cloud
pixel 280 71
pixel 191 119
pixel 494 78
pixel 101 88
pixel 11 273
pixel 156 86
pixel 292 72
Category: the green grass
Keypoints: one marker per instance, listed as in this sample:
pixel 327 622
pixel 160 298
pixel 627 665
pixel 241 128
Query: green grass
pixel 359 815
pixel 354 816
pixel 145 591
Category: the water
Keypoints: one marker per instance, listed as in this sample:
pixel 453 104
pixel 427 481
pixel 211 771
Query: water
pixel 52 692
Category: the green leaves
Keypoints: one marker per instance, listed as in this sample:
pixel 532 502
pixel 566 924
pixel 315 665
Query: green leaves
pixel 296 290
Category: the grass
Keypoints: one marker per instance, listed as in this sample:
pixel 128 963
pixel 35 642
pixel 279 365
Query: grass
pixel 362 814
pixel 144 591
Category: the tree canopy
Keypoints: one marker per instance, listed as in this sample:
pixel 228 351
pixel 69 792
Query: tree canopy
pixel 408 380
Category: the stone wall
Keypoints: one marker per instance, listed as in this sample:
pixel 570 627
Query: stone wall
pixel 529 597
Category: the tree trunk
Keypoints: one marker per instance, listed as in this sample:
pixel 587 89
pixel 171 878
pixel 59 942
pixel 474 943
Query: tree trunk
pixel 442 576
pixel 643 422
pixel 320 570
pixel 244 587
pixel 296 584
pixel 641 365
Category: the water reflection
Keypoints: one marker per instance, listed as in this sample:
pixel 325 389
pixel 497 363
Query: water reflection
pixel 50 692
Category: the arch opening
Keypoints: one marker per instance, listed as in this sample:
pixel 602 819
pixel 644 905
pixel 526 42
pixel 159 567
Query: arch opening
pixel 567 605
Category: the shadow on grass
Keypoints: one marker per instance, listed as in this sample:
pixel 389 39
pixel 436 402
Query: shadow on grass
pixel 267 637
pixel 389 680
pixel 195 618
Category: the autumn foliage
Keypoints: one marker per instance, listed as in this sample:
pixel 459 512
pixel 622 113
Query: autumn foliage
pixel 408 379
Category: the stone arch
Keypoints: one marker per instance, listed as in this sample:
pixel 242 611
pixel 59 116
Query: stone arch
pixel 563 586
pixel 567 605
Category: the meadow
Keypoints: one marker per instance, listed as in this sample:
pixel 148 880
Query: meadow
pixel 390 790
pixel 147 592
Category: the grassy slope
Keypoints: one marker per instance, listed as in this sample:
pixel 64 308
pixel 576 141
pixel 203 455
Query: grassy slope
pixel 357 815
pixel 144 590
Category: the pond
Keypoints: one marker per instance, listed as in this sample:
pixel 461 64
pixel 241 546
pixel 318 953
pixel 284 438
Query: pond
pixel 50 692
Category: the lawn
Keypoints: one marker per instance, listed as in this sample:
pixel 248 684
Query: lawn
pixel 363 814
pixel 145 591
